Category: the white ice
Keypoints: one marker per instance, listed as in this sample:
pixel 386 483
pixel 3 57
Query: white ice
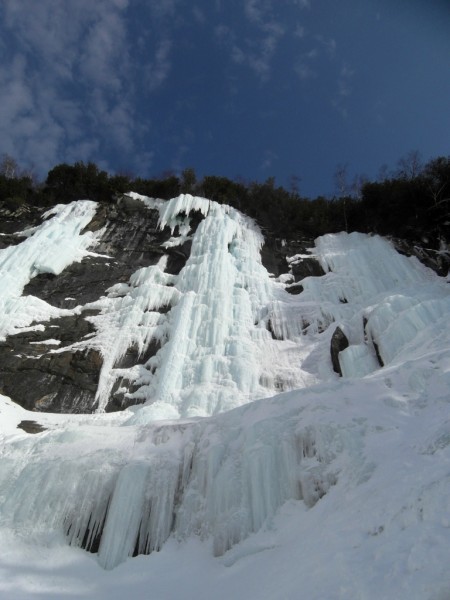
pixel 336 489
pixel 50 248
pixel 217 339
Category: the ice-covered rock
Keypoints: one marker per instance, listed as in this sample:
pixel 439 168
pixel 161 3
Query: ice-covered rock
pixel 194 338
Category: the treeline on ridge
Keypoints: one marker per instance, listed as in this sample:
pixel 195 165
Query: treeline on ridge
pixel 411 203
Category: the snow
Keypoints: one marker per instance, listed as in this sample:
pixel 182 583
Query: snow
pixel 49 342
pixel 50 248
pixel 336 488
pixel 210 361
pixel 217 346
pixel 129 317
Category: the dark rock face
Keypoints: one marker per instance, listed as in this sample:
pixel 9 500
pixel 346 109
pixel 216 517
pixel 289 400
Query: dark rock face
pixel 40 377
pixel 128 243
pixel 178 257
pixel 13 221
pixel 30 427
pixel 368 339
pixel 43 376
pixel 274 256
pixel 8 239
pixel 41 370
pixel 295 288
pixel 118 399
pixel 44 370
pixel 437 260
pixel 377 354
pixel 306 267
pixel 339 342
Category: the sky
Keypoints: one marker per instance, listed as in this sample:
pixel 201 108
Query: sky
pixel 247 89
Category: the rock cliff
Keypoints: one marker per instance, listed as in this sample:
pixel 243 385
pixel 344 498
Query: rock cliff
pixel 58 362
pixel 47 367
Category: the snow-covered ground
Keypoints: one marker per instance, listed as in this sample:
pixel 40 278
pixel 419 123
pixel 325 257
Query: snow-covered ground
pixel 336 488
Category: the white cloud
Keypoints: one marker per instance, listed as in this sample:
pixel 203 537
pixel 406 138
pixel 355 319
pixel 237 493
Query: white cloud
pixel 199 15
pixel 304 65
pixel 257 50
pixel 344 89
pixel 105 57
pixel 304 71
pixel 158 70
pixel 268 159
pixel 299 31
pixel 344 80
pixel 66 50
pixel 258 61
pixel 68 77
pixel 222 32
pixel 162 8
pixel 302 4
pixel 254 10
pixel 329 44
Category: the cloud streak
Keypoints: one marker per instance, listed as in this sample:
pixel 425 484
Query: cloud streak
pixel 255 50
pixel 68 78
pixel 159 68
pixel 115 81
pixel 344 89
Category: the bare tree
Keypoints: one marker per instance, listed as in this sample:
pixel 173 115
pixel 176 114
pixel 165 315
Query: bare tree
pixel 357 185
pixel 437 176
pixel 340 179
pixel 410 166
pixel 294 184
pixel 9 167
pixel 189 180
pixel 383 172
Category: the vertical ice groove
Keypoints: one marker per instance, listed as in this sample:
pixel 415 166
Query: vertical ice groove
pixel 129 317
pixel 124 516
pixel 220 478
pixel 208 481
pixel 212 360
pixel 221 310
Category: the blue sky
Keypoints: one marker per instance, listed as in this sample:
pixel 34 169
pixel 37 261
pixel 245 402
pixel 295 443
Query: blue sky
pixel 240 88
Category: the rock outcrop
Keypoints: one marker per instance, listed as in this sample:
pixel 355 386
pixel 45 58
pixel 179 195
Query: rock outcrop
pixel 42 369
pixel 48 367
pixel 339 342
pixel 52 367
pixel 38 375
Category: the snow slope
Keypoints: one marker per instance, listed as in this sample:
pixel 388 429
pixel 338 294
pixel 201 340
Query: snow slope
pixel 336 488
pixel 49 248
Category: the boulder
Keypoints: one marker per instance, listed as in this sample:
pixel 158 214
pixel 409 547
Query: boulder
pixel 339 342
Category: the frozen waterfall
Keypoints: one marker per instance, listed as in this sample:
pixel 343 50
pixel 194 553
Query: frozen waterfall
pixel 215 450
pixel 217 345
